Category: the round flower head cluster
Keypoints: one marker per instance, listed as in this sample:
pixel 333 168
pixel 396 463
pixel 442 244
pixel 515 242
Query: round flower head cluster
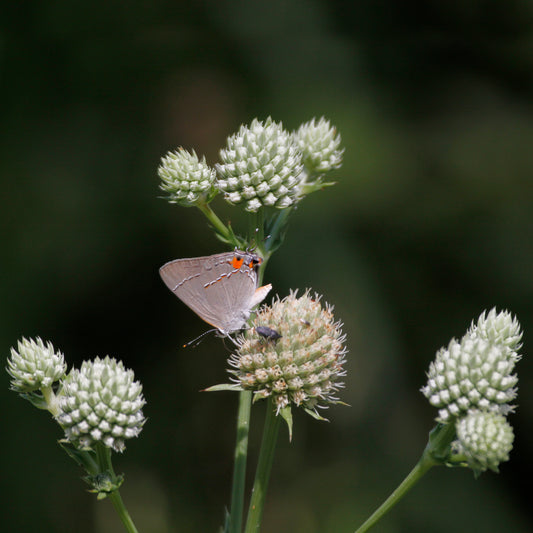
pixel 472 384
pixel 470 374
pixel 261 166
pixel 185 178
pixel 485 439
pixel 476 372
pixel 295 354
pixel 101 402
pixel 34 365
pixel 319 144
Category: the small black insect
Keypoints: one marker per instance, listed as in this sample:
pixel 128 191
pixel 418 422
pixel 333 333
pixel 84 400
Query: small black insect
pixel 268 333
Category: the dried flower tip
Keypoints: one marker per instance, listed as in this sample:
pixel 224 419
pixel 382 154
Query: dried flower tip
pixel 303 366
pixel 319 144
pixel 260 166
pixel 34 365
pixel 101 402
pixel 185 178
pixel 485 439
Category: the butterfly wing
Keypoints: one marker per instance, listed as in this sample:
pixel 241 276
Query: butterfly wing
pixel 220 289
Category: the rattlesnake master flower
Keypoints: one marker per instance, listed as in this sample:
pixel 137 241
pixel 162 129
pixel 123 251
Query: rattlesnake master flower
pixel 261 166
pixel 34 365
pixel 476 372
pixel 101 402
pixel 185 178
pixel 498 328
pixel 485 439
pixel 319 144
pixel 302 367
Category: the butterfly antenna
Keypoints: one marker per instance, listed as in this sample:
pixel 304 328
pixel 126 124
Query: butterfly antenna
pixel 196 341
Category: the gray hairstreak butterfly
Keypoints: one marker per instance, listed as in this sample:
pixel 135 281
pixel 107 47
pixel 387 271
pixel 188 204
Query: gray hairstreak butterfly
pixel 221 289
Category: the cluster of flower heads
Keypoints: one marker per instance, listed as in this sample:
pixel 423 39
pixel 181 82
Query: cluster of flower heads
pixel 294 354
pixel 262 165
pixel 471 383
pixel 99 403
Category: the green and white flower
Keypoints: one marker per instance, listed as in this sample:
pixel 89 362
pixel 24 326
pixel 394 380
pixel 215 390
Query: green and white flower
pixel 34 366
pixel 101 402
pixel 485 439
pixel 476 373
pixel 319 144
pixel 261 167
pixel 300 368
pixel 186 179
pixel 498 328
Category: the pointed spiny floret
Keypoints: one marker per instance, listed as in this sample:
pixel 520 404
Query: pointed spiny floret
pixel 298 356
pixel 476 372
pixel 185 178
pixel 34 365
pixel 101 402
pixel 319 144
pixel 485 439
pixel 498 328
pixel 261 166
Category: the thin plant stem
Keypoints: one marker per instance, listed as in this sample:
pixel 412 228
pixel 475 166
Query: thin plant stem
pixel 437 452
pixel 103 455
pixel 217 224
pixel 243 422
pixel 239 468
pixel 415 475
pixel 120 508
pixel 264 466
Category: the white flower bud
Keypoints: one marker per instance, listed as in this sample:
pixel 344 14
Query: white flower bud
pixel 101 402
pixel 185 178
pixel 34 365
pixel 260 166
pixel 485 439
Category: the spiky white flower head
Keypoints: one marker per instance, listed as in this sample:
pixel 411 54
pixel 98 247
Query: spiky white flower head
pixel 498 328
pixel 185 178
pixel 319 144
pixel 101 402
pixel 261 166
pixel 485 439
pixel 476 372
pixel 303 366
pixel 34 365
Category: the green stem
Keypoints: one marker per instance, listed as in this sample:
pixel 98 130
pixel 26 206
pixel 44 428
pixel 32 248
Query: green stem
pixel 415 475
pixel 120 508
pixel 257 235
pixel 217 224
pixel 103 455
pixel 437 452
pixel 264 466
pixel 239 468
pixel 51 400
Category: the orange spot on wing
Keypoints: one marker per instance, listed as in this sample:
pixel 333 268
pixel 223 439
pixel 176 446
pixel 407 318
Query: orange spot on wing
pixel 237 262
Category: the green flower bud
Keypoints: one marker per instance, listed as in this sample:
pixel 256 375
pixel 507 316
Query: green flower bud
pixel 319 144
pixel 34 366
pixel 475 373
pixel 260 166
pixel 101 402
pixel 485 439
pixel 304 365
pixel 185 178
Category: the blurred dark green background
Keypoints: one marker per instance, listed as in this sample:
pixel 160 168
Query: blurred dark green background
pixel 430 223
